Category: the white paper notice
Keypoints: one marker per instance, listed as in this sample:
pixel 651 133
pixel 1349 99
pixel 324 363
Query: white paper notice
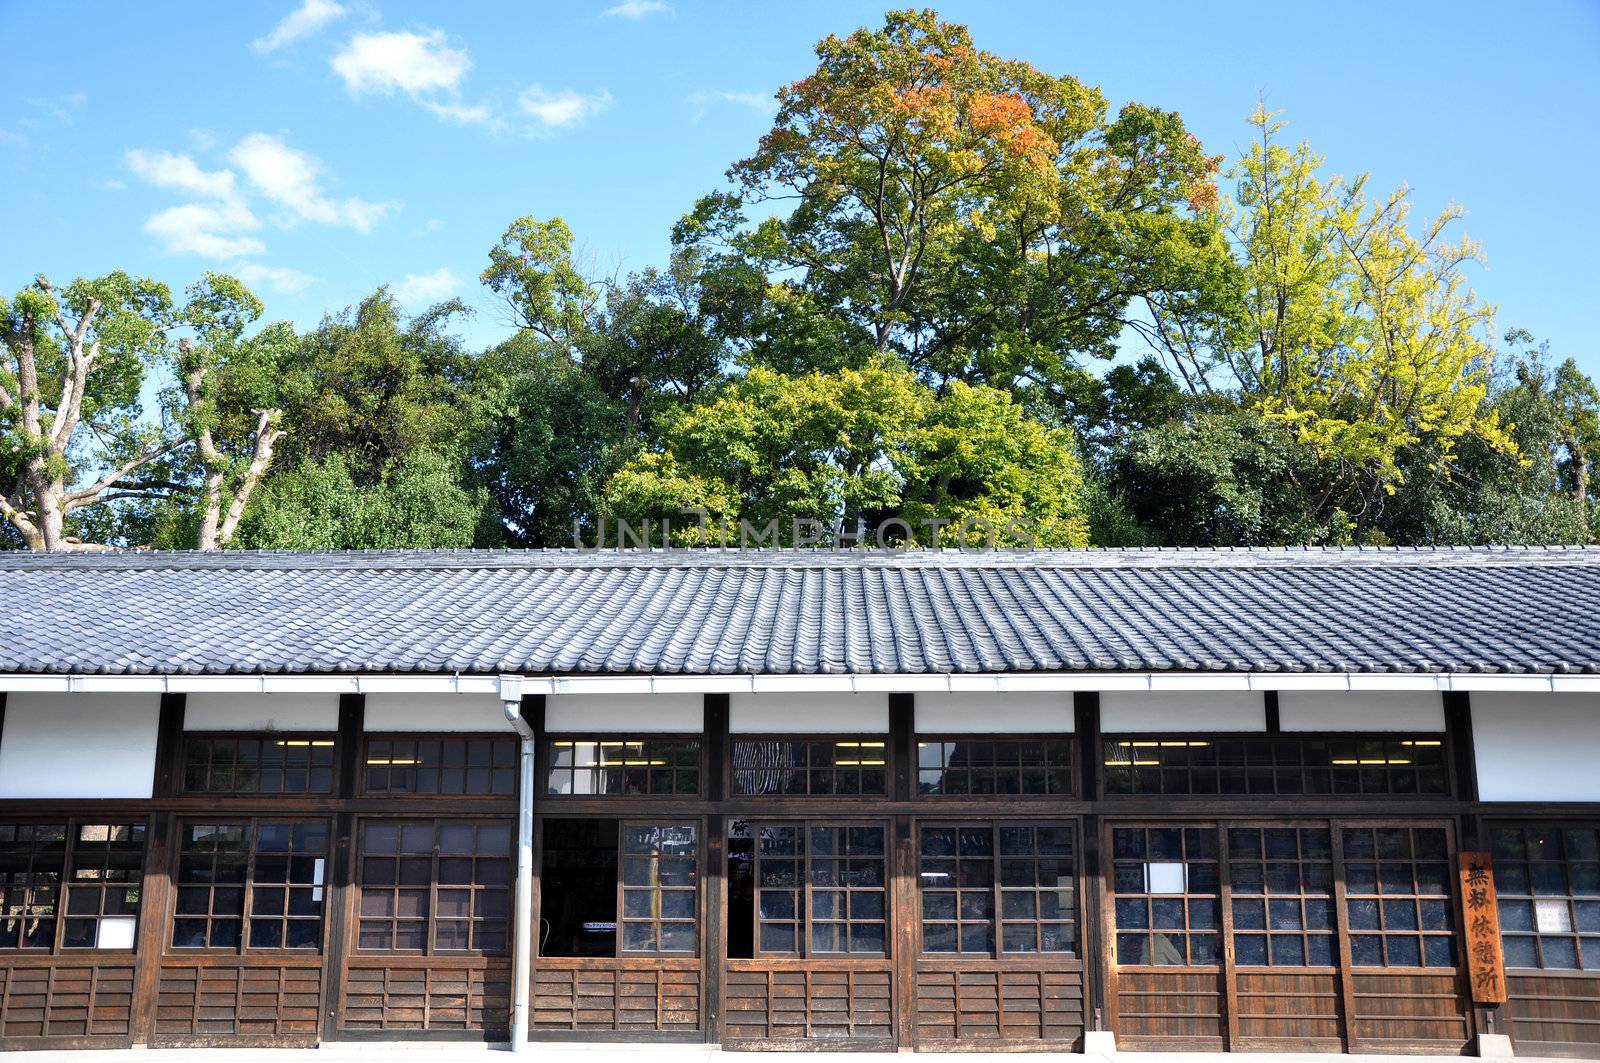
pixel 116 932
pixel 1552 916
pixel 1166 877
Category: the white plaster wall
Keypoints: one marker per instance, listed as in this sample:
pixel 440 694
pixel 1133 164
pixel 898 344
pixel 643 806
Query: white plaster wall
pixel 808 713
pixel 261 712
pixel 435 712
pixel 1140 712
pixel 1014 713
pixel 1306 710
pixel 1537 747
pixel 79 745
pixel 634 713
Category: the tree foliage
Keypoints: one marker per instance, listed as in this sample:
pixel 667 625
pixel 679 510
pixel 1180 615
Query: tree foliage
pixel 857 447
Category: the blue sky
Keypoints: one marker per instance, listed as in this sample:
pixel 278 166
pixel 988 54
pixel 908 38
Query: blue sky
pixel 323 149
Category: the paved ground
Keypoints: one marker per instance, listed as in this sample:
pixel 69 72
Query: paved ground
pixel 551 1052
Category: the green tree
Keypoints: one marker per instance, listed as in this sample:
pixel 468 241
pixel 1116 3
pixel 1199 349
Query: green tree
pixel 979 219
pixel 1361 338
pixel 856 445
pixel 72 430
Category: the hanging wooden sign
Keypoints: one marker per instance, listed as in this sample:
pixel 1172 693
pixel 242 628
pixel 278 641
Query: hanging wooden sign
pixel 1480 918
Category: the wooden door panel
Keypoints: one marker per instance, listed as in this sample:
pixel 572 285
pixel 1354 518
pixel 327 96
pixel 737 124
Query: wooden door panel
pixel 1554 1014
pixel 1172 1008
pixel 66 1001
pixel 795 1001
pixel 1409 1012
pixel 959 1005
pixel 608 995
pixel 261 1003
pixel 1288 1010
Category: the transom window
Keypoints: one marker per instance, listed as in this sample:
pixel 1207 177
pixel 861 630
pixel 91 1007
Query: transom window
pixel 434 886
pixel 100 866
pixel 230 763
pixel 1019 877
pixel 1167 887
pixel 632 766
pixel 436 765
pixel 1548 881
pixel 1277 765
pixel 811 889
pixel 264 876
pixel 846 766
pixel 1003 766
pixel 1397 892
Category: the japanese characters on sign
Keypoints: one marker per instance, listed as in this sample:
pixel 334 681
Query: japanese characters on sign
pixel 1481 917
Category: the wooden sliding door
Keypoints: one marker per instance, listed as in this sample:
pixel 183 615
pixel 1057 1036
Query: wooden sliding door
pixel 1282 935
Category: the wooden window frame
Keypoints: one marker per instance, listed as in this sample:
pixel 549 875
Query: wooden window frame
pixel 884 741
pixel 997 920
pixel 1217 931
pixel 430 917
pixel 1529 895
pixel 545 765
pixel 1069 766
pixel 1383 897
pixel 72 826
pixel 1109 766
pixel 314 739
pixel 656 888
pixel 1267 897
pixel 248 887
pixel 442 737
pixel 806 888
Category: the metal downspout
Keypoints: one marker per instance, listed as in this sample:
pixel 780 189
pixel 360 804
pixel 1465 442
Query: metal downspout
pixel 522 958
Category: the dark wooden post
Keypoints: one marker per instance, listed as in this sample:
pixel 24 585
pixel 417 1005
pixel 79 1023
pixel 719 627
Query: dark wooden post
pixel 903 901
pixel 714 940
pixel 155 898
pixel 1096 955
pixel 1464 786
pixel 1274 720
pixel 352 727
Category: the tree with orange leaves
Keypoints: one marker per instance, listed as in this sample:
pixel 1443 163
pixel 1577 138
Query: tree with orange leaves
pixel 980 219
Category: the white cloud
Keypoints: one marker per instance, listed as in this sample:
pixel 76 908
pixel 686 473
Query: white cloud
pixel 762 102
pixel 561 109
pixel 278 278
pixel 422 288
pixel 289 178
pixel 210 230
pixel 180 173
pixel 413 63
pixel 303 21
pixel 635 10
pixel 473 114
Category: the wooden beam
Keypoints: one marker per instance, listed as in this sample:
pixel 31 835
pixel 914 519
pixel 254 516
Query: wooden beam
pixel 1274 723
pixel 903 746
pixel 168 779
pixel 341 892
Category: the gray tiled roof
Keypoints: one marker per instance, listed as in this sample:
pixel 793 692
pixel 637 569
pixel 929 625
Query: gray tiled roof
pixel 563 612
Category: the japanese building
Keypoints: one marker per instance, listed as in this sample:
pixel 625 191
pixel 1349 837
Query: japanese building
pixel 1315 800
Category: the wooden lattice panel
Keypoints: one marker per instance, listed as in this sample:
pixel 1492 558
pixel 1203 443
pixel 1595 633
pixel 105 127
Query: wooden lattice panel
pixel 992 1004
pixel 801 1004
pixel 1176 1006
pixel 616 998
pixel 1554 1014
pixel 1291 1009
pixel 1410 1010
pixel 65 1001
pixel 257 1002
pixel 433 997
